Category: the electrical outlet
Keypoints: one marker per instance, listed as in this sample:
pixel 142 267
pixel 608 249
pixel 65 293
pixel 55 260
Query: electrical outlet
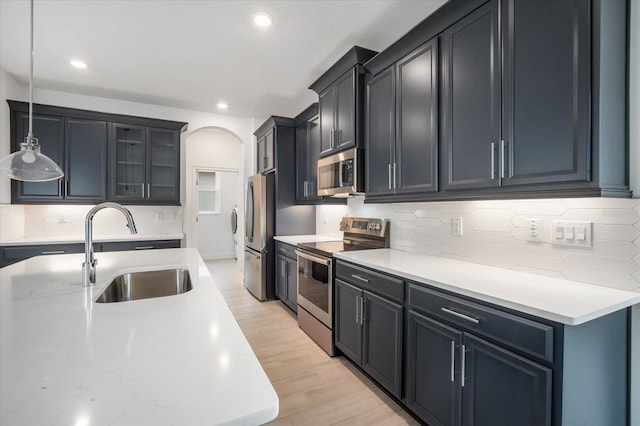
pixel 456 226
pixel 534 232
pixel 62 218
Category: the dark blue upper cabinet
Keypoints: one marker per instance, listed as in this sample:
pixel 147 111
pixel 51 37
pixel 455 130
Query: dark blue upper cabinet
pixel 545 90
pixel 341 102
pixel 471 101
pixel 105 157
pixel 531 98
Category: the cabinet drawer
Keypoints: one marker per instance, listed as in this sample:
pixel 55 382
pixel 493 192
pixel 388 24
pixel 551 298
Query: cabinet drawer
pixel 367 279
pixel 15 254
pixel 520 333
pixel 286 250
pixel 140 245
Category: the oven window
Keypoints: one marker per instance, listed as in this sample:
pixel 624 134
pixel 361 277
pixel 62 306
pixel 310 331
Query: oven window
pixel 313 282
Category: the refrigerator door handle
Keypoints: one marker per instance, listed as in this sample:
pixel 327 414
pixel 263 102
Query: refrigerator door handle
pixel 249 216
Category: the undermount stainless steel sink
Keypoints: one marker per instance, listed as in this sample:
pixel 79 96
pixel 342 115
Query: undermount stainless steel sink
pixel 146 285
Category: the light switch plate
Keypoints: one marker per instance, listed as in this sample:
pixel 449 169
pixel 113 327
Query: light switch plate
pixel 575 233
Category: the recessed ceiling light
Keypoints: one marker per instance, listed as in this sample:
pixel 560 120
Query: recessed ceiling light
pixel 78 64
pixel 262 20
pixel 222 105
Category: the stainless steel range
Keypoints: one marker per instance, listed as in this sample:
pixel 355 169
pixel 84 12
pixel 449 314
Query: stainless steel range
pixel 316 270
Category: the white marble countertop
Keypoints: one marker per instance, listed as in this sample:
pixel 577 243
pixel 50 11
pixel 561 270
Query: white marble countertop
pixel 563 301
pixel 295 239
pixel 177 360
pixel 96 239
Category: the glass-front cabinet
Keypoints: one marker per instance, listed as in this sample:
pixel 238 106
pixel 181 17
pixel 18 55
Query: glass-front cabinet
pixel 129 148
pixel 146 164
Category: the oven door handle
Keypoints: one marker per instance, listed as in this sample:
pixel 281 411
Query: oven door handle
pixel 321 260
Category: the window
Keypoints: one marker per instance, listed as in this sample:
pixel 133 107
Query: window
pixel 208 193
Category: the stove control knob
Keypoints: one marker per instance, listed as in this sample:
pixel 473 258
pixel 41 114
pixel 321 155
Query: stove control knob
pixel 378 227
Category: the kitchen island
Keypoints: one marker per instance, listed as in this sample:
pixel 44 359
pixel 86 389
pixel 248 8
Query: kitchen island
pixel 175 360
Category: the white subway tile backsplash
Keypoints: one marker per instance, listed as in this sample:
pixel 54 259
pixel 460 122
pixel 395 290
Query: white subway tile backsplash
pixel 67 221
pixel 495 233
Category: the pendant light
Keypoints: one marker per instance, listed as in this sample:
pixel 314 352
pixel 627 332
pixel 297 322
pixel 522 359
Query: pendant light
pixel 29 164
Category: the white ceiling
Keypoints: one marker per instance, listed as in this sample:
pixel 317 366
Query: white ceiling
pixel 192 54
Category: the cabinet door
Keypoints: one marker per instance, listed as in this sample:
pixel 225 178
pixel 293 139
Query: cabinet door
pixel 471 101
pixel 380 133
pixel 49 130
pixel 269 150
pixel 163 165
pixel 302 162
pixel 417 117
pixel 314 154
pixel 345 111
pixel 382 342
pixel 502 388
pixel 348 330
pixel 128 163
pixel 546 91
pixel 327 108
pixel 86 160
pixel 261 158
pixel 281 278
pixel 292 283
pixel 433 364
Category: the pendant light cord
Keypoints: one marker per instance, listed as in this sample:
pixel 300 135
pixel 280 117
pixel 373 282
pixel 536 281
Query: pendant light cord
pixel 30 134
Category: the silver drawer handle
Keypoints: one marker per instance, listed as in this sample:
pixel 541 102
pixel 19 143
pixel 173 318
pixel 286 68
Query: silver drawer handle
pixel 144 247
pixel 459 315
pixel 358 277
pixel 283 250
pixel 54 252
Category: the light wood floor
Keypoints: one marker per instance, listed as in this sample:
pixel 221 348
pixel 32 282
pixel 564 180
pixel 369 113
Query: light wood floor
pixel 314 389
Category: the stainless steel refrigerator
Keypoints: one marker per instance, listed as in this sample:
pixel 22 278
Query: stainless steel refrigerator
pixel 259 216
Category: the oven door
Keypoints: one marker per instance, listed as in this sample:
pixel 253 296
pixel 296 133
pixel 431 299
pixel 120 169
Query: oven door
pixel 315 286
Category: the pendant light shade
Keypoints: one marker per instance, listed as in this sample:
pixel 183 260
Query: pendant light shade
pixel 29 164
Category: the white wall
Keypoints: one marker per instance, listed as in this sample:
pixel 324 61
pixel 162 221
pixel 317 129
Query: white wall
pixel 215 148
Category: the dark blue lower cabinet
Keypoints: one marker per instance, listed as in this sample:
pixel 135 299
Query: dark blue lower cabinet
pixel 455 378
pixel 433 370
pixel 502 388
pixel 368 330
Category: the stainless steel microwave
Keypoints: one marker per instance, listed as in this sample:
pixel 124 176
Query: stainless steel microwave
pixel 341 174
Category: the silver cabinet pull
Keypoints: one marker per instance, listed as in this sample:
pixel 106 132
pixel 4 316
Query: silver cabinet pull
pixel 493 160
pixel 305 189
pixel 143 247
pixel 357 309
pixel 459 315
pixel 60 183
pixel 142 185
pixel 331 138
pixel 394 176
pixel 389 175
pixel 338 137
pixel 453 356
pixel 463 357
pixel 358 277
pixel 283 250
pixel 362 311
pixel 148 190
pixel 66 187
pixel 502 158
pixel 283 268
pixel 54 252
